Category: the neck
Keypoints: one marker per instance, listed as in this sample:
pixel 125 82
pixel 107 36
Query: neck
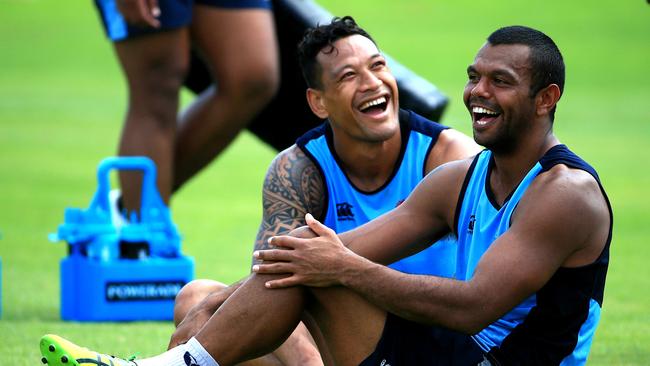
pixel 512 166
pixel 368 164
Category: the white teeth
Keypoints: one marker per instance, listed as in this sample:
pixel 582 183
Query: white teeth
pixel 483 111
pixel 371 103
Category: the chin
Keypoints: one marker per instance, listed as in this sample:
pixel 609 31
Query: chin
pixel 383 134
pixel 501 146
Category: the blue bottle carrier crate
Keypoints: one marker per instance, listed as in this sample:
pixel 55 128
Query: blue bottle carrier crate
pixel 118 269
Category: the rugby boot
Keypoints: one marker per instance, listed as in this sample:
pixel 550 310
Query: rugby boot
pixel 57 351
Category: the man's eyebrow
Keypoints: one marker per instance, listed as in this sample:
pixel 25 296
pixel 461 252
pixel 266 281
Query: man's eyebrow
pixel 497 72
pixel 504 72
pixel 338 70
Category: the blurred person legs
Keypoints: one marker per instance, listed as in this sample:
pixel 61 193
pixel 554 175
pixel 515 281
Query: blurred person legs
pixel 240 48
pixel 235 38
pixel 155 66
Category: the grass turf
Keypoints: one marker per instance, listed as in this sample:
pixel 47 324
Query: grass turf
pixel 61 103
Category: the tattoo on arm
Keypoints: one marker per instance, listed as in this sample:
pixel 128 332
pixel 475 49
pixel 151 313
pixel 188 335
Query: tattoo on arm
pixel 293 187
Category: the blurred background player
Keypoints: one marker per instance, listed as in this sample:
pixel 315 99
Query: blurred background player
pixel 153 39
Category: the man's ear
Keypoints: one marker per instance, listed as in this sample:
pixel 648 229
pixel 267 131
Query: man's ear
pixel 316 103
pixel 547 98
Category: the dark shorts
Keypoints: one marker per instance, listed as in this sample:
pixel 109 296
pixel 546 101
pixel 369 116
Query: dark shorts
pixel 405 343
pixel 173 14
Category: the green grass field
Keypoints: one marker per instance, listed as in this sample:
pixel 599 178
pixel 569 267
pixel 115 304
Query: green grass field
pixel 61 103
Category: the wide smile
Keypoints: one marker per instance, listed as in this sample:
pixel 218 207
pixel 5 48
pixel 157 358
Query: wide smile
pixel 483 117
pixel 376 107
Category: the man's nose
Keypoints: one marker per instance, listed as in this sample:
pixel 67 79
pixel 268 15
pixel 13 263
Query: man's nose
pixel 480 89
pixel 370 81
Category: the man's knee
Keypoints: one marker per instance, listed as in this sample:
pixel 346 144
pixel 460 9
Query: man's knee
pixel 154 91
pixel 197 290
pixel 155 65
pixel 304 232
pixel 191 294
pixel 255 84
pixel 163 77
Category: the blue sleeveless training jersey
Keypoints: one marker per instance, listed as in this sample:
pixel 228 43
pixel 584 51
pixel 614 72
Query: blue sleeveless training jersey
pixel 554 326
pixel 348 207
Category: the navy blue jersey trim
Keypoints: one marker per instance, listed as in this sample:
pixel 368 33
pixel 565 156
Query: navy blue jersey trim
pixel 463 190
pixel 550 331
pixel 404 134
pixel 426 127
pixel 421 124
pixel 426 158
pixel 488 190
pixel 561 154
pixel 312 134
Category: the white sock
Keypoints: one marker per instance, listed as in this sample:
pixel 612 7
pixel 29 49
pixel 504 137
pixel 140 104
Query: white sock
pixel 191 353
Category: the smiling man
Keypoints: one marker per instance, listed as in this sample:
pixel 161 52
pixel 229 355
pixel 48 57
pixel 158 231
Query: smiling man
pixel 364 161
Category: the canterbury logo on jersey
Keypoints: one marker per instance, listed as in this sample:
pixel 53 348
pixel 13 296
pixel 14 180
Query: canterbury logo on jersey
pixel 344 212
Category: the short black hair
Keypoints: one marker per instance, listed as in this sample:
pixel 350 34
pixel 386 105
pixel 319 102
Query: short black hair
pixel 545 58
pixel 320 37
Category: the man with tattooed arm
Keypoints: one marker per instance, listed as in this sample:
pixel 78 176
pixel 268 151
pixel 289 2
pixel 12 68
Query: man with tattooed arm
pixel 362 162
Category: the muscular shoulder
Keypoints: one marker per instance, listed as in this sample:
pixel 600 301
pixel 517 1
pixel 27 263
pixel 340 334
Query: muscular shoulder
pixel 451 145
pixel 576 187
pixel 294 180
pixel 566 207
pixel 292 188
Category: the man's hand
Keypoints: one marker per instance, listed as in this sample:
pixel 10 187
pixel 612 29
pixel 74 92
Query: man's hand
pixel 142 13
pixel 316 262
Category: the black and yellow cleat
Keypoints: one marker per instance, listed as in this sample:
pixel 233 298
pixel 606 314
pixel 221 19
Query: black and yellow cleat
pixel 57 351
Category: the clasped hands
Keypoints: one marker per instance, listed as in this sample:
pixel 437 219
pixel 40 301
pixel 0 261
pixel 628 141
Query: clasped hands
pixel 313 255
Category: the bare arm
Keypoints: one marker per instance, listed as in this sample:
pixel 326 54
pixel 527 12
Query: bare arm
pixel 553 226
pixel 292 187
